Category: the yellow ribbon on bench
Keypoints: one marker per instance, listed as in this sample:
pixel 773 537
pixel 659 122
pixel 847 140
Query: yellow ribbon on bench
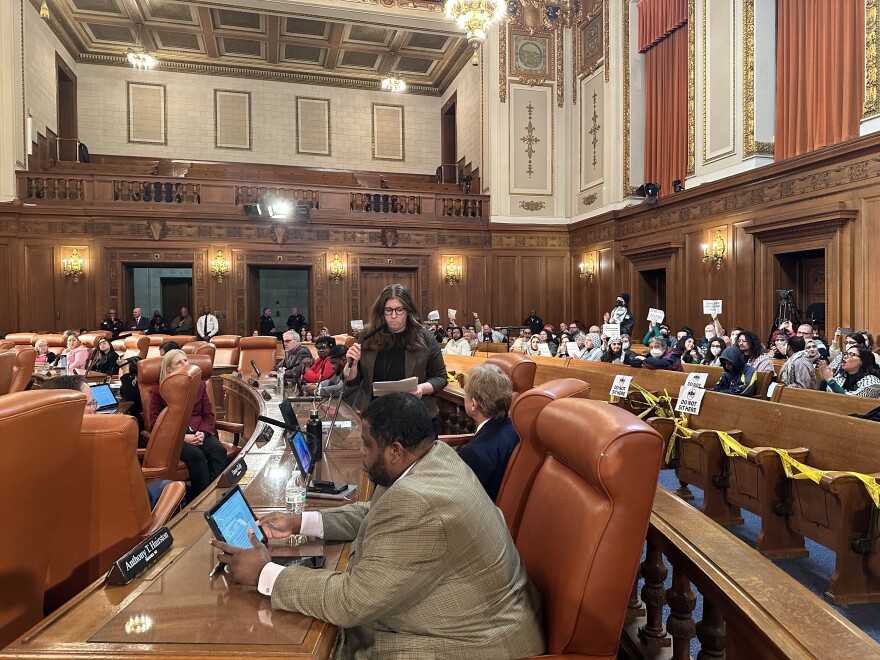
pixel 794 469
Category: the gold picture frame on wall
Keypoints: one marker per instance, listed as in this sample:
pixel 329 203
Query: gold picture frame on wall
pixel 532 57
pixel 591 45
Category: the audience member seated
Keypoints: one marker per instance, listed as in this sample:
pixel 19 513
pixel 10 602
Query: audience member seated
pixel 836 353
pixel 431 554
pixel 714 349
pixel 266 324
pixel 77 355
pixel 458 345
pixel 470 336
pixel 657 330
pixel 204 456
pixel 112 323
pixel 332 385
pixel 660 356
pixel 616 353
pixel 183 323
pixel 545 336
pixel 158 326
pixel 521 343
pixel 486 333
pixel 487 396
pixel 44 355
pixel 138 322
pixel 105 359
pixel 711 331
pixel 739 377
pixel 297 358
pixel 532 347
pixel 798 370
pixel 753 351
pixel 690 354
pixel 858 374
pixel 590 345
pixel 780 347
pixel 622 315
pixel 562 351
pixel 295 321
pixel 784 331
pixel 321 369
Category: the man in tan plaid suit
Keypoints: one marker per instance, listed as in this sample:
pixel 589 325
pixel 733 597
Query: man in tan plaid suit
pixel 433 572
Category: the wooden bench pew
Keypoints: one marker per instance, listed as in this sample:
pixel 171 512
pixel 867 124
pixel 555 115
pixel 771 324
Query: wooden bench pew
pixel 832 513
pixel 842 404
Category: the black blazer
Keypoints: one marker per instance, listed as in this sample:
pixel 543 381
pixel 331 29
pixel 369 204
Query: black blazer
pixel 489 451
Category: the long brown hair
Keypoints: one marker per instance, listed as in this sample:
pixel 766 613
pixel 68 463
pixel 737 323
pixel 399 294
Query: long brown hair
pixel 411 337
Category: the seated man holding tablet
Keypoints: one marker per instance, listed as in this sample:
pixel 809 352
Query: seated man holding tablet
pixel 430 558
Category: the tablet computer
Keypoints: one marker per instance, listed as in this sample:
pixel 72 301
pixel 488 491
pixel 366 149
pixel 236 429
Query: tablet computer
pixel 232 517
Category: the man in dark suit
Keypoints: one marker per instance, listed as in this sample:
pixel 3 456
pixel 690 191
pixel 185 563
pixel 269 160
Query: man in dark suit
pixel 487 396
pixel 138 322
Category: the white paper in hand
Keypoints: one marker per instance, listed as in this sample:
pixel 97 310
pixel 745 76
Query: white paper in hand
pixel 544 349
pixel 451 313
pixel 572 348
pixel 711 307
pixel 689 400
pixel 656 315
pixel 357 325
pixel 620 386
pixel 611 330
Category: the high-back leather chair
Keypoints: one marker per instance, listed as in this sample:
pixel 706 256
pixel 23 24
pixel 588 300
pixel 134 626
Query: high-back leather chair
pixel 22 340
pixel 520 369
pixel 23 369
pixel 148 377
pixel 227 350
pixel 55 340
pixel 259 349
pixel 136 346
pixel 91 338
pixel 200 348
pixel 33 429
pixel 526 459
pixel 585 520
pixel 108 512
pixel 206 366
pixel 7 365
pixel 7 345
pixel 162 456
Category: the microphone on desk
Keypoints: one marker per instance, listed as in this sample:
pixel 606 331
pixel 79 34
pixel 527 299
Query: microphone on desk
pixel 372 332
pixel 307 399
pixel 277 422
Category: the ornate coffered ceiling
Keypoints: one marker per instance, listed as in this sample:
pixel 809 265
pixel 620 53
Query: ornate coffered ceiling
pixel 347 43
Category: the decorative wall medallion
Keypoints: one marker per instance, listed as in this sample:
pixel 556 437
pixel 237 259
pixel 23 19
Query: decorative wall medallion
pixel 158 229
pixel 589 199
pixel 531 55
pixel 530 140
pixel 389 237
pixel 532 205
pixel 279 233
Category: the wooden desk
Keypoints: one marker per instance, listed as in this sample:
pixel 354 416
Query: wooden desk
pixel 174 609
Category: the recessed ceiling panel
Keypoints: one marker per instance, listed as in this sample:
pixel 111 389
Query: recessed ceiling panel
pixel 227 19
pixel 358 60
pixel 303 27
pixel 241 47
pixel 165 10
pixel 300 53
pixel 168 39
pixel 98 7
pixel 425 41
pixel 110 33
pixel 367 34
pixel 415 65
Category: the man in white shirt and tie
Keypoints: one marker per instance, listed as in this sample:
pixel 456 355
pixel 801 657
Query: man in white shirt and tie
pixel 207 325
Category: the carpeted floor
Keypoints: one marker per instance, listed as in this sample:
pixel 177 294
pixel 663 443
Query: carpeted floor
pixel 813 571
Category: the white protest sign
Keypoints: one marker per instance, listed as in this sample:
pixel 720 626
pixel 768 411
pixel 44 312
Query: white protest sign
pixel 696 379
pixel 434 315
pixel 357 325
pixel 689 400
pixel 656 315
pixel 572 348
pixel 620 386
pixel 451 313
pixel 711 307
pixel 544 349
pixel 611 330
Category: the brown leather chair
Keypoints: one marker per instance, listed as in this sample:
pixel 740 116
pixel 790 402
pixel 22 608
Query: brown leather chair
pixel 22 339
pixel 200 348
pixel 91 338
pixel 136 346
pixel 108 512
pixel 525 459
pixel 205 364
pixel 162 455
pixel 227 350
pixel 520 369
pixel 7 365
pixel 54 340
pixel 7 345
pixel 157 340
pixel 148 377
pixel 585 520
pixel 34 427
pixel 23 369
pixel 259 349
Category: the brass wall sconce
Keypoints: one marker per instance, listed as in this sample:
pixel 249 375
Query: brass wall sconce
pixel 714 252
pixel 453 272
pixel 73 266
pixel 337 269
pixel 219 266
pixel 587 268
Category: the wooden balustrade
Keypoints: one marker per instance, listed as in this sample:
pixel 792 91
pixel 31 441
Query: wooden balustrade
pixel 54 188
pixel 386 203
pixel 258 194
pixel 467 206
pixel 168 192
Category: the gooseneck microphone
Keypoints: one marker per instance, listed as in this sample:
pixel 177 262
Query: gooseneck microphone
pixel 372 332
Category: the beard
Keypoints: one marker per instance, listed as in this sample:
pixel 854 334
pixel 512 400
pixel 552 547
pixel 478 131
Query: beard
pixel 378 473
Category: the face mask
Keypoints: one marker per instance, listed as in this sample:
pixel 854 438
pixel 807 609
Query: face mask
pixel 716 351
pixel 657 352
pixel 665 333
pixel 710 335
pixel 620 303
pixel 625 345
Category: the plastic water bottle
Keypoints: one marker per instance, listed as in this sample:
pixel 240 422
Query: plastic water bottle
pixel 295 493
pixel 281 382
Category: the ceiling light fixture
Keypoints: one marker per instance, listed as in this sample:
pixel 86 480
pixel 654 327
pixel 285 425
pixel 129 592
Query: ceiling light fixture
pixel 138 57
pixel 392 83
pixel 44 10
pixel 476 16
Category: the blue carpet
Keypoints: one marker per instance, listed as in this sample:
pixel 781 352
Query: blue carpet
pixel 813 571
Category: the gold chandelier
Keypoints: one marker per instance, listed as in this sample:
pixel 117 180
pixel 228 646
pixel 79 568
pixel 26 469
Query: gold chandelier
pixel 392 84
pixel 219 267
pixel 138 57
pixel 475 16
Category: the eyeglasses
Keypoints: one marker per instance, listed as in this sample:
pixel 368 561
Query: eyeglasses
pixel 851 343
pixel 92 404
pixel 849 355
pixel 395 311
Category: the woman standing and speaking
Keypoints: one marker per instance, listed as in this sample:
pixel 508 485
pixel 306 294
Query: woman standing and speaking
pixel 400 348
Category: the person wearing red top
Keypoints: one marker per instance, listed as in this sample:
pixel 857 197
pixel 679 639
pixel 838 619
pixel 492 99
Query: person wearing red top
pixel 321 369
pixel 204 456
